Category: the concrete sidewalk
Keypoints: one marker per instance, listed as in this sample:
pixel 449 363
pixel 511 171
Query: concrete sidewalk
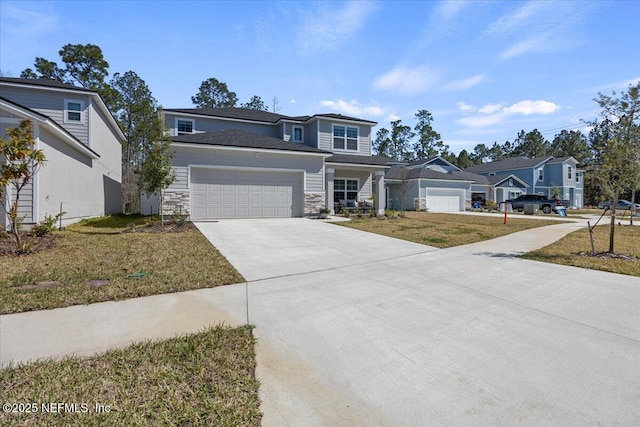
pixel 385 332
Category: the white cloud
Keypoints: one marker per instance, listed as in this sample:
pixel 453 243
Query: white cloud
pixel 494 114
pixel 407 81
pixel 490 108
pixel 28 23
pixel 293 101
pixel 352 108
pixel 466 83
pixel 321 28
pixel 532 107
pixel 392 117
pixel 515 20
pixel 462 106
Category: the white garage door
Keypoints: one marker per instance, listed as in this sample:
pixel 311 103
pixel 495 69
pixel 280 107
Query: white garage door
pixel 218 193
pixel 444 200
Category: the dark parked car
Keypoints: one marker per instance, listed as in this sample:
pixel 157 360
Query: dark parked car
pixel 547 205
pixel 624 205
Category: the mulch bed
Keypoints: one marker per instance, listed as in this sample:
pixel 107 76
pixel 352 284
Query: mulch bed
pixel 169 227
pixel 609 255
pixel 8 243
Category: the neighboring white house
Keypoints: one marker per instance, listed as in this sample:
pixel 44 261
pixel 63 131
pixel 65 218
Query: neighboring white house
pixel 82 145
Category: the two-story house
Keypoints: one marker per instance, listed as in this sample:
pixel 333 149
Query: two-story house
pixel 513 176
pixel 82 145
pixel 244 163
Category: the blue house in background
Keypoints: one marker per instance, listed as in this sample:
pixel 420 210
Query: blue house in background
pixel 513 176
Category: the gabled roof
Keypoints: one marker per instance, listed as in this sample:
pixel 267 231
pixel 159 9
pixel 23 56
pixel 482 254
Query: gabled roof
pixel 432 159
pixel 509 163
pixel 497 179
pixel 241 138
pixel 61 132
pixel 231 113
pixel 43 82
pixel 360 160
pixel 53 85
pixel 562 159
pixel 253 115
pixel 398 173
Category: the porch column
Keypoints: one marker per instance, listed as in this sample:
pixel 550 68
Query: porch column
pixel 380 190
pixel 329 188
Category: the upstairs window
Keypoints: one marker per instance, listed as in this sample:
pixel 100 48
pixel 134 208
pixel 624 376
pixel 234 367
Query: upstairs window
pixel 73 111
pixel 184 126
pixel 578 175
pixel 297 134
pixel 540 174
pixel 569 172
pixel 345 138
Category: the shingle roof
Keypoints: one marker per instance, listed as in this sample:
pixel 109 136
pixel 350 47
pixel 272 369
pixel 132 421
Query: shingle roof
pixel 496 179
pixel 360 160
pixel 422 161
pixel 257 115
pixel 43 82
pixel 509 163
pixel 561 159
pixel 422 173
pixel 241 138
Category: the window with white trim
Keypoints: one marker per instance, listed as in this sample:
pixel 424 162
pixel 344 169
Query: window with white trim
pixel 569 172
pixel 345 189
pixel 541 174
pixel 184 126
pixel 297 134
pixel 578 176
pixel 345 138
pixel 73 111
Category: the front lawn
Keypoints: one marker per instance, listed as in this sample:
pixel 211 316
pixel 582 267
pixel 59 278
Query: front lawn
pixel 206 378
pixel 575 249
pixel 444 230
pixel 111 258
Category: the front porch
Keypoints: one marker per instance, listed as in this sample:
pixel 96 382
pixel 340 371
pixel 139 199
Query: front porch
pixel 349 183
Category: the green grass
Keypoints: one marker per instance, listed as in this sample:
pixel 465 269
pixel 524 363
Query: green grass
pixel 206 378
pixel 574 249
pixel 444 230
pixel 105 249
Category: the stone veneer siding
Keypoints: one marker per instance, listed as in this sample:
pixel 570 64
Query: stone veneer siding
pixel 176 201
pixel 313 202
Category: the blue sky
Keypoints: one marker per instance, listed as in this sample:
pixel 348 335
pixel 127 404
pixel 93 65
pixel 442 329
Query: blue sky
pixel 485 70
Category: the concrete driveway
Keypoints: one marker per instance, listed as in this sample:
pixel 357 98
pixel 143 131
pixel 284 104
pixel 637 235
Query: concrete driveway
pixel 357 329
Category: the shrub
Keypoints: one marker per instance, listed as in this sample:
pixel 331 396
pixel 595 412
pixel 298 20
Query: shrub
pixel 491 205
pixel 47 225
pixel 372 213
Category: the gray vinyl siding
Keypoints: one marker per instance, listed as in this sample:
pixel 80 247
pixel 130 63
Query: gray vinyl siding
pixel 213 124
pixel 311 135
pixel 325 137
pixel 185 156
pixel 51 104
pixel 364 180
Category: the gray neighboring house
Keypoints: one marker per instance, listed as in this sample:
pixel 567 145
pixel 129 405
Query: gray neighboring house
pixel 514 176
pixel 81 142
pixel 432 184
pixel 244 163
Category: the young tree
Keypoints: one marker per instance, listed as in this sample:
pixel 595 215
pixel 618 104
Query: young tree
pixel 255 103
pixel 618 157
pixel 275 104
pixel 429 142
pixel 20 162
pixel 463 160
pixel 156 174
pixel 214 94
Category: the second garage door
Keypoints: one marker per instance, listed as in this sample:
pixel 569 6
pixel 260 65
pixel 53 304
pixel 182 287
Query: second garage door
pixel 445 200
pixel 223 193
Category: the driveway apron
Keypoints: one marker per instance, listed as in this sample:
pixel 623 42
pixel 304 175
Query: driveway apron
pixel 358 329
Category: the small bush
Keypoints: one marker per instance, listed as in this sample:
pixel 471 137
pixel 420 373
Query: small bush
pixel 491 205
pixel 324 211
pixel 344 213
pixel 372 213
pixel 46 226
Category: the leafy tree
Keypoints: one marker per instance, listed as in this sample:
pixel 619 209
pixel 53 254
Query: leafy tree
pixel 214 94
pixel 480 154
pixel 22 160
pixel 401 136
pixel 463 160
pixel 618 158
pixel 571 143
pixel 84 65
pixel 382 143
pixel 156 173
pixel 531 144
pixel 255 103
pixel 496 152
pixel 136 112
pixel 429 142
